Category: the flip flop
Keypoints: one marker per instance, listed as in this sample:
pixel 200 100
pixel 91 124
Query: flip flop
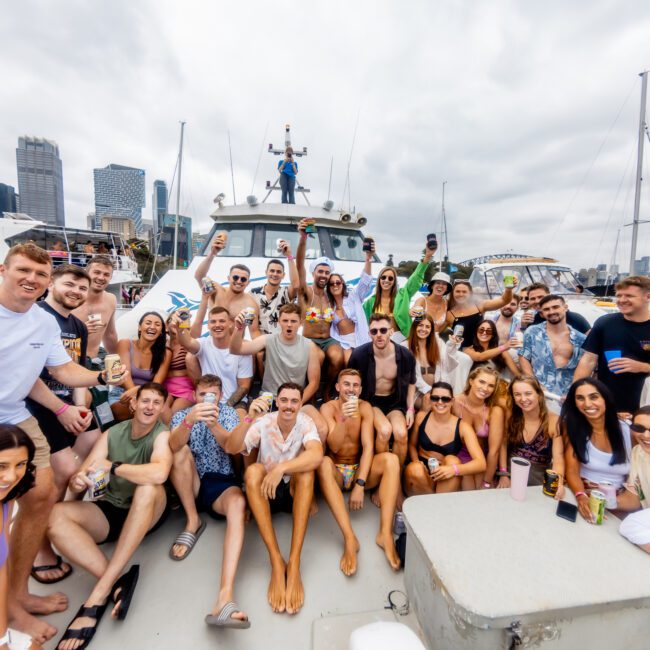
pixel 126 583
pixel 50 567
pixel 84 634
pixel 188 540
pixel 224 617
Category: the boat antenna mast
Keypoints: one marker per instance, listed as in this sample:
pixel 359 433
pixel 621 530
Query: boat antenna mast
pixel 443 229
pixel 280 152
pixel 178 195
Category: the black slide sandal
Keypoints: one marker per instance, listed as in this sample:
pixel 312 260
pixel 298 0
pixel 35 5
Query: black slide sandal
pixel 126 584
pixel 85 634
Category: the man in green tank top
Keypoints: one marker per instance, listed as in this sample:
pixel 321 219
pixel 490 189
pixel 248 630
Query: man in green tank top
pixel 136 457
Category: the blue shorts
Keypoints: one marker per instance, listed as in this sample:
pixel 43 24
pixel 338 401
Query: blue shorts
pixel 213 485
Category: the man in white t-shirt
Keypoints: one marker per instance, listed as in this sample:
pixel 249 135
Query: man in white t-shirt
pixel 214 356
pixel 30 339
pixel 282 480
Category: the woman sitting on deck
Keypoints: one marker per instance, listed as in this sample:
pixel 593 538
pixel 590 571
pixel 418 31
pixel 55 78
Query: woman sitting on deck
pixel 178 382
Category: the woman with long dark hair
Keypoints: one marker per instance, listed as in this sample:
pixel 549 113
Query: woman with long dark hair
pixel 531 433
pixel 597 445
pixel 485 348
pixel 16 477
pixel 147 359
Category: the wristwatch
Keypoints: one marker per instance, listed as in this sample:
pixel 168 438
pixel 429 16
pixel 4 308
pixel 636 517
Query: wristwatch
pixel 360 482
pixel 100 378
pixel 114 466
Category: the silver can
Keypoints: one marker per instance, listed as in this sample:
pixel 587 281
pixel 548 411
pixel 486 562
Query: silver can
pixel 207 285
pixel 210 398
pixel 459 330
pixel 249 315
pixel 100 480
pixel 433 464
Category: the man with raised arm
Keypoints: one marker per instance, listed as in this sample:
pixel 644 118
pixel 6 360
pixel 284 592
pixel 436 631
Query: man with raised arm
pixel 98 312
pixel 233 297
pixel 290 357
pixel 351 465
pixel 388 378
pixel 282 480
pixel 136 456
pixel 316 310
pixel 30 339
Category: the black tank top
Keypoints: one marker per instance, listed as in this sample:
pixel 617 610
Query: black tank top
pixel 450 449
pixel 470 323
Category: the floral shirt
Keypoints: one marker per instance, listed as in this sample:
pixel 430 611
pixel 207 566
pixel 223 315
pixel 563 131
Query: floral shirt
pixel 208 453
pixel 269 308
pixel 537 349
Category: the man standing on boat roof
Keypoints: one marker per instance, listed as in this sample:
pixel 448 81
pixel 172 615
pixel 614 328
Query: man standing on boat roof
pixel 288 169
pixel 316 310
pixel 98 312
pixel 233 297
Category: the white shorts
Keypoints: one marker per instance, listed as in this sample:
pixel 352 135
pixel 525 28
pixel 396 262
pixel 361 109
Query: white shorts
pixel 636 527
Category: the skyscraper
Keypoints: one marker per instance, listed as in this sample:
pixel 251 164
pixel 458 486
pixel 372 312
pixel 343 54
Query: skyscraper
pixel 159 205
pixel 119 192
pixel 40 179
pixel 7 199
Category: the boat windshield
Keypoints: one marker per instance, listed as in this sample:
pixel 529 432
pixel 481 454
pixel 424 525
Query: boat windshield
pixel 347 244
pixel 489 284
pixel 290 234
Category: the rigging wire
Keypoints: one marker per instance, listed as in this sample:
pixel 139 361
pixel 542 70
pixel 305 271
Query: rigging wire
pixel 346 187
pixel 259 158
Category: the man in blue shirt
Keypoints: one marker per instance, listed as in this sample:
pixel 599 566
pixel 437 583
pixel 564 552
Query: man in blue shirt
pixel 203 476
pixel 288 169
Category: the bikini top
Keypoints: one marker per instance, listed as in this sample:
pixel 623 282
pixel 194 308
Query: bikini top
pixel 178 359
pixel 449 449
pixel 314 314
pixel 484 430
pixel 336 319
pixel 4 551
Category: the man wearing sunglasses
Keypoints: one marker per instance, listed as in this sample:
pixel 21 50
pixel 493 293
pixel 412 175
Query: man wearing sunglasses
pixel 388 378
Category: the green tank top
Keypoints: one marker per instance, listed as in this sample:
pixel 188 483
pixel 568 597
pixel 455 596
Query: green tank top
pixel 123 449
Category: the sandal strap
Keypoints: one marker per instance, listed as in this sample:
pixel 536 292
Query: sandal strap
pixel 49 567
pixel 86 633
pixel 227 611
pixel 94 611
pixel 186 539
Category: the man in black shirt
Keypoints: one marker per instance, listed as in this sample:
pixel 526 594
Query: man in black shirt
pixel 388 379
pixel 619 345
pixel 536 292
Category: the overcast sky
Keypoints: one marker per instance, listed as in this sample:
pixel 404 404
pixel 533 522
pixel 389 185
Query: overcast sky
pixel 529 110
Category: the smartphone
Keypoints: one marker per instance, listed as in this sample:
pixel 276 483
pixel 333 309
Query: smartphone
pixel 432 242
pixel 368 243
pixel 566 510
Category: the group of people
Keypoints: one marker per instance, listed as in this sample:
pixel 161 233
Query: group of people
pixel 362 393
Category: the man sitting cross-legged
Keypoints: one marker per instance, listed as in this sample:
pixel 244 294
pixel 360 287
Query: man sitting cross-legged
pixel 202 470
pixel 282 480
pixel 351 464
pixel 136 455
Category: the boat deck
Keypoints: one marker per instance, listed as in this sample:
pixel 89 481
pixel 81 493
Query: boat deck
pixel 172 598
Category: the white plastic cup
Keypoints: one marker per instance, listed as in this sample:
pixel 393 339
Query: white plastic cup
pixel 519 471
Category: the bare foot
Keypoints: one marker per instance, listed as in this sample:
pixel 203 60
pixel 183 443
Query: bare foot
pixel 22 621
pixel 278 587
pixel 374 497
pixel 313 508
pixel 43 605
pixel 348 562
pixel 387 543
pixel 295 590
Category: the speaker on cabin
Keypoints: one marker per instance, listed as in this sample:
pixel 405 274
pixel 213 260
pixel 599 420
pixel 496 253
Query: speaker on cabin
pixel 345 217
pixel 361 220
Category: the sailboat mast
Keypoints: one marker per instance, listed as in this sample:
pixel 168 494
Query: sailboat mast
pixel 178 195
pixel 639 169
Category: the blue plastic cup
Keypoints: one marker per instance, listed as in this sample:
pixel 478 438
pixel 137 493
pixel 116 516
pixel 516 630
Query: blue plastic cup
pixel 610 355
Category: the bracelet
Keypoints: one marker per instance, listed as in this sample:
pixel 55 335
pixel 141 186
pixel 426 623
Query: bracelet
pixel 410 409
pixel 502 348
pixel 503 469
pixel 500 473
pixel 290 258
pixel 248 419
pixel 62 410
pixel 455 468
pixel 186 424
pixel 487 485
pixel 581 494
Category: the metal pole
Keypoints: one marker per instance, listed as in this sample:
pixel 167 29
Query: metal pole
pixel 443 225
pixel 639 169
pixel 232 173
pixel 178 195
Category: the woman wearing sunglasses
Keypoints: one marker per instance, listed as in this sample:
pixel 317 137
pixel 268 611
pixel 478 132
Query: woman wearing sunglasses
pixel 435 360
pixel 349 325
pixel 439 434
pixel 636 497
pixel 485 348
pixel 531 433
pixel 477 406
pixel 465 310
pixel 597 444
pixel 394 302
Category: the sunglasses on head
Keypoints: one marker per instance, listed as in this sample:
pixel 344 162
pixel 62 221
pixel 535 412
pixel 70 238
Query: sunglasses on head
pixel 239 278
pixel 378 330
pixel 445 399
pixel 459 281
pixel 639 428
pixel 388 277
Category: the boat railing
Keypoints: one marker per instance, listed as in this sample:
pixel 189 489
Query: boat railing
pixel 120 262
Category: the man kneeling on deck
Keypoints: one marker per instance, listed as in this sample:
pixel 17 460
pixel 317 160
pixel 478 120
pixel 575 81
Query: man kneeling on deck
pixel 282 480
pixel 202 470
pixel 135 454
pixel 351 464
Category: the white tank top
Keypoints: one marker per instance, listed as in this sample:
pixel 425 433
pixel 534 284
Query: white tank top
pixel 598 469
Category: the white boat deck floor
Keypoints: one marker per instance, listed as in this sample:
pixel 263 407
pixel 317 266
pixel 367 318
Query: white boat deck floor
pixel 172 598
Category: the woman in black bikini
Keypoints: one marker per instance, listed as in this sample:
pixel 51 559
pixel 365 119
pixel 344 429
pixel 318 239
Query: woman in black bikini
pixel 439 434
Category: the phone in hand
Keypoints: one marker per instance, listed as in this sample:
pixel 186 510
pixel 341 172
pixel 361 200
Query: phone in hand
pixel 567 511
pixel 432 241
pixel 368 244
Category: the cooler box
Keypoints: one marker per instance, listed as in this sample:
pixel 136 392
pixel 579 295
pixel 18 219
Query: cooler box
pixel 486 571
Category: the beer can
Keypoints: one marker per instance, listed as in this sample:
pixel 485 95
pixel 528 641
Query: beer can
pixel 418 313
pixel 223 236
pixel 278 246
pixel 597 505
pixel 459 330
pixel 311 225
pixel 249 315
pixel 184 315
pixel 207 285
pixel 112 363
pixel 551 483
pixel 354 399
pixel 100 480
pixel 433 464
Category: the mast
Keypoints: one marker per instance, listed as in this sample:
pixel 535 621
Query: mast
pixel 443 228
pixel 639 169
pixel 178 195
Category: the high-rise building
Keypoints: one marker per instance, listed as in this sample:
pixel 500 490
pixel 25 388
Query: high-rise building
pixel 642 266
pixel 159 204
pixel 40 179
pixel 198 242
pixel 122 225
pixel 119 192
pixel 7 199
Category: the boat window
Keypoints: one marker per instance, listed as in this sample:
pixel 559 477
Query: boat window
pixel 290 234
pixel 240 239
pixel 347 244
pixel 558 280
pixel 495 278
pixel 479 287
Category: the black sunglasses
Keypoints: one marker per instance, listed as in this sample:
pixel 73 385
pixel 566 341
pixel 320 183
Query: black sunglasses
pixel 239 278
pixel 639 428
pixel 445 399
pixel 336 283
pixel 378 330
pixel 387 277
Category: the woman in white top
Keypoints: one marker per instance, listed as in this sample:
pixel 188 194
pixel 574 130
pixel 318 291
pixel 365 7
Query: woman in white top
pixel 596 443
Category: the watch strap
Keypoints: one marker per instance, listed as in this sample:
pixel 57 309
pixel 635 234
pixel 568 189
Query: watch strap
pixel 114 466
pixel 360 482
pixel 100 378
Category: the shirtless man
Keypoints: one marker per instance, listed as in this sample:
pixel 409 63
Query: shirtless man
pixel 351 465
pixel 505 320
pixel 232 297
pixel 388 378
pixel 98 312
pixel 552 349
pixel 316 309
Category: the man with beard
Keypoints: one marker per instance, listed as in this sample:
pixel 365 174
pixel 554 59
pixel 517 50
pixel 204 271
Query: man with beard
pixel 98 311
pixel 506 321
pixel 551 350
pixel 536 292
